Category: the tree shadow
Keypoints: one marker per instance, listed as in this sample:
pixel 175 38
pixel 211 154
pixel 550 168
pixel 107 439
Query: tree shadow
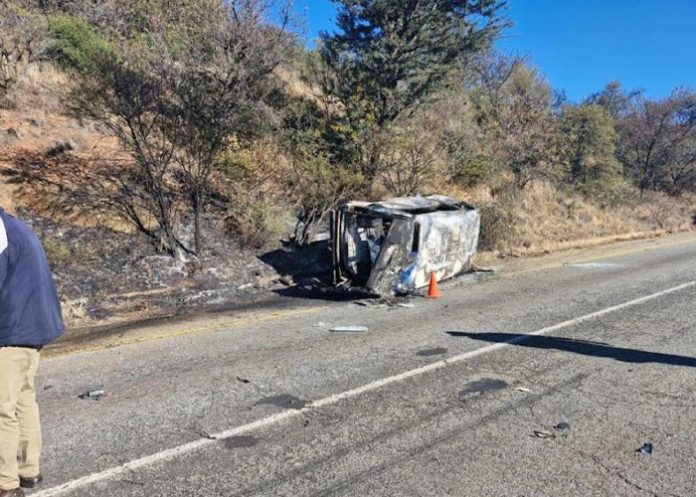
pixel 321 291
pixel 582 347
pixel 312 261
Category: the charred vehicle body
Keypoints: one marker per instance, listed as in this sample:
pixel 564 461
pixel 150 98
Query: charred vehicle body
pixel 392 247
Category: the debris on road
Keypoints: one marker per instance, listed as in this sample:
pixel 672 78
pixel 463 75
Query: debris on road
pixel 243 380
pixel 383 303
pixel 544 434
pixel 92 394
pixel 560 429
pixel 647 448
pixel 204 434
pixel 349 329
pixel 562 426
pixel 392 247
pixel 523 389
pixel 371 304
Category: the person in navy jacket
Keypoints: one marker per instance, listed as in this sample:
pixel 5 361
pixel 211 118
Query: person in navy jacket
pixel 30 318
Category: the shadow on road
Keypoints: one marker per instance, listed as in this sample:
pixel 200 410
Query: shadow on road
pixel 323 292
pixel 583 347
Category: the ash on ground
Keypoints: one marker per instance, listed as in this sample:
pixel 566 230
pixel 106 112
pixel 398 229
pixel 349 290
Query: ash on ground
pixel 103 274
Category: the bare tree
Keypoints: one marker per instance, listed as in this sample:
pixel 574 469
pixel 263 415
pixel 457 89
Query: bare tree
pixel 132 98
pixel 175 101
pixel 223 97
pixel 658 142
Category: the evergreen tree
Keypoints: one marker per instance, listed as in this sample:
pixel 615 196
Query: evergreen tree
pixel 589 147
pixel 390 56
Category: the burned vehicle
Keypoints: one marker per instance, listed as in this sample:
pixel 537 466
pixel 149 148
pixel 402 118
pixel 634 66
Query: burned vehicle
pixel 392 247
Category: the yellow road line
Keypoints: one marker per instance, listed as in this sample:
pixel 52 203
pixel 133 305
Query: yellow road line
pixel 217 326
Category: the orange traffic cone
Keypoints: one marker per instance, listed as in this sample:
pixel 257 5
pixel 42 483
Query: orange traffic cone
pixel 433 290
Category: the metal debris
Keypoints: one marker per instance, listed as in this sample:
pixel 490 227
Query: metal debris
pixel 523 389
pixel 392 247
pixel 562 426
pixel 92 394
pixel 371 304
pixel 349 329
pixel 243 380
pixel 647 448
pixel 543 434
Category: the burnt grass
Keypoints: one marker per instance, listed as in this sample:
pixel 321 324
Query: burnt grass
pixel 101 273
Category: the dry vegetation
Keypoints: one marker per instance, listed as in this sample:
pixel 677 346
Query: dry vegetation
pixel 542 219
pixel 536 220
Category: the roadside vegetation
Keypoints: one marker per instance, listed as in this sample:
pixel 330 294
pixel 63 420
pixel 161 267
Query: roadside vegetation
pixel 187 121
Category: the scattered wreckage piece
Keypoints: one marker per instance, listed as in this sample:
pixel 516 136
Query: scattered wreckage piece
pixel 349 329
pixel 391 248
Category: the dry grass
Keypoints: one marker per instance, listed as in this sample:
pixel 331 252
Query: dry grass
pixel 293 83
pixel 7 198
pixel 38 118
pixel 35 122
pixel 541 219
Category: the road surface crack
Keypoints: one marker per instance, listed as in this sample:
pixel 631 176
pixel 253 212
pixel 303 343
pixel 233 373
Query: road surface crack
pixel 623 477
pixel 635 485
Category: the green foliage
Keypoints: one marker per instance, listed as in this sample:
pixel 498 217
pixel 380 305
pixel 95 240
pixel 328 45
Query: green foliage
pixel 513 106
pixel 391 56
pixel 614 99
pixel 77 45
pixel 321 182
pixel 57 252
pixel 470 157
pixel 254 223
pixel 588 149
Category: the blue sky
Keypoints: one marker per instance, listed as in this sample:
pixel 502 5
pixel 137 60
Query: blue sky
pixel 580 45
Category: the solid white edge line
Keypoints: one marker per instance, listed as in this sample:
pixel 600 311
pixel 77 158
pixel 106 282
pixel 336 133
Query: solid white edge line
pixel 333 399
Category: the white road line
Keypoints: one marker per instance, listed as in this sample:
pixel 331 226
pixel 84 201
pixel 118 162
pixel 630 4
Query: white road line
pixel 333 399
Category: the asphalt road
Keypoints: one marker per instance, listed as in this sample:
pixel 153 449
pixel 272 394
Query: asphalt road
pixel 450 397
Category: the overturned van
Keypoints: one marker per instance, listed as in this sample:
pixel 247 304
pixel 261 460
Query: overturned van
pixel 392 247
